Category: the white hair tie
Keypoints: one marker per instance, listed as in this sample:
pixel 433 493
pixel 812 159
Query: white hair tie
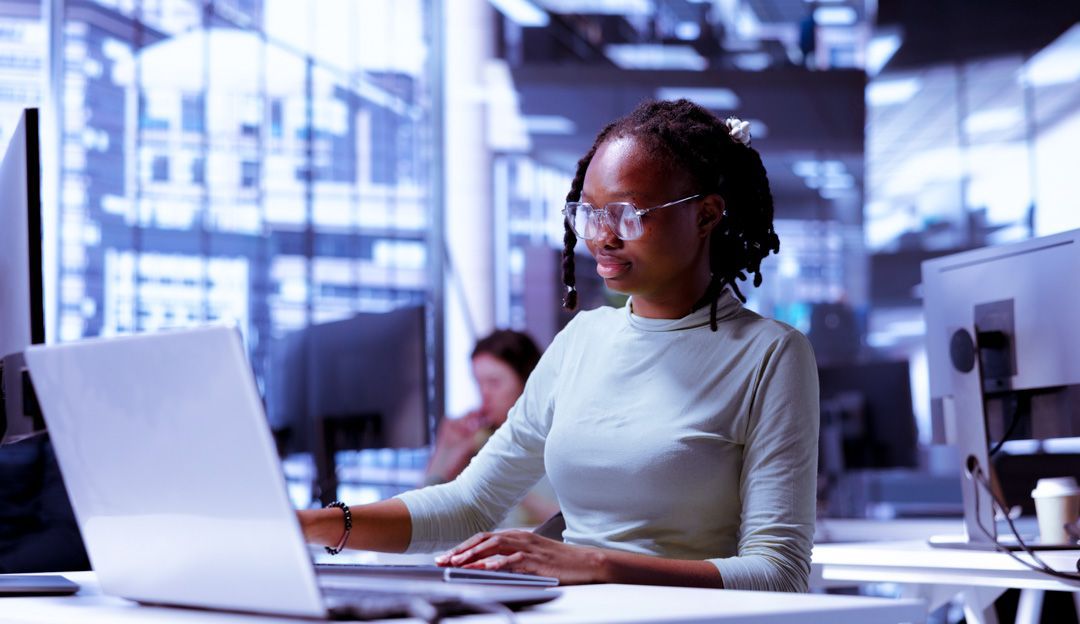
pixel 738 130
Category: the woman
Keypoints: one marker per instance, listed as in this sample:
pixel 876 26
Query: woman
pixel 679 432
pixel 501 364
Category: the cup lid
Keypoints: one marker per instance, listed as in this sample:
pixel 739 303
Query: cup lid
pixel 1056 486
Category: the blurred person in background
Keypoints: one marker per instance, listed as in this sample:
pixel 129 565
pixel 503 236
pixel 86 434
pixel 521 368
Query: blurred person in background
pixel 501 364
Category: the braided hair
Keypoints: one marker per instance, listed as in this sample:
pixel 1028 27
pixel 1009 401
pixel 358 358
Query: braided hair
pixel 686 137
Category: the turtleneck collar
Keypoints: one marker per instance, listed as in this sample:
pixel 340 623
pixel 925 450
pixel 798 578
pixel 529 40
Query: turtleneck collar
pixel 727 305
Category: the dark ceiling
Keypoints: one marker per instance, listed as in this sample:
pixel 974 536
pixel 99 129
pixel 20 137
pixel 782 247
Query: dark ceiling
pixel 937 31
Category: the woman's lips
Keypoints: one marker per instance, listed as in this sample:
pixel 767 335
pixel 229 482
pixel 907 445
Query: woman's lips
pixel 609 269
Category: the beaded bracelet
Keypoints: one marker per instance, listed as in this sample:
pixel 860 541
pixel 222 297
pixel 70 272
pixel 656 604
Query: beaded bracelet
pixel 348 527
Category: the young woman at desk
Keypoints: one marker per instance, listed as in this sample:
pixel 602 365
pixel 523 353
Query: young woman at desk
pixel 679 432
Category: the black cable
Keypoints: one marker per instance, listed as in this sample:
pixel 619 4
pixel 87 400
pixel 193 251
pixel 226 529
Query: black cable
pixel 979 477
pixel 1012 427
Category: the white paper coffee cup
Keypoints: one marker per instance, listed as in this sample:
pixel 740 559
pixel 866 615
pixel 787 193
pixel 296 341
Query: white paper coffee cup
pixel 1057 503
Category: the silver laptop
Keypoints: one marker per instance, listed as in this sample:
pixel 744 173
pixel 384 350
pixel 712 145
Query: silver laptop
pixel 175 481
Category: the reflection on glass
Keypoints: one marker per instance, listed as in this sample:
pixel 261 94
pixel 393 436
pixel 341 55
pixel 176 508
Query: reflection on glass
pixel 252 161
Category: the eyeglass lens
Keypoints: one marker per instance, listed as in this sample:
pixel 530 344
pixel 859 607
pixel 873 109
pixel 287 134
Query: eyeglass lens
pixel 620 218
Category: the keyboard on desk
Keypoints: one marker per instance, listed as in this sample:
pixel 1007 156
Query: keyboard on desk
pixel 436 573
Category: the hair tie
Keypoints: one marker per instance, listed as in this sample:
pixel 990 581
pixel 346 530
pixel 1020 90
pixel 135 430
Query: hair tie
pixel 738 130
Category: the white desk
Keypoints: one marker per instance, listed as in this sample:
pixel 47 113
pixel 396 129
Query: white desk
pixel 590 603
pixel 938 574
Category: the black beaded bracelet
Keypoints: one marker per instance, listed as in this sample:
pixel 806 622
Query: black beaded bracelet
pixel 348 527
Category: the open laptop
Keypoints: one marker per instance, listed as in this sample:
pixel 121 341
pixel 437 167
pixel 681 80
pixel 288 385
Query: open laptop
pixel 178 491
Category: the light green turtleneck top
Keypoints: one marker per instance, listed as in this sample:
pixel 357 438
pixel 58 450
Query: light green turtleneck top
pixel 659 437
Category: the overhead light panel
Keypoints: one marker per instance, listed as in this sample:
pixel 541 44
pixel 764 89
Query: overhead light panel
pixel 752 61
pixel 993 120
pixel 600 7
pixel 687 31
pixel 522 12
pixel 889 92
pixel 655 56
pixel 1057 63
pixel 880 50
pixel 710 97
pixel 549 124
pixel 835 16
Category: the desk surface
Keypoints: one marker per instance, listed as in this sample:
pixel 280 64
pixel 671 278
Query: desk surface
pixel 914 561
pixel 590 603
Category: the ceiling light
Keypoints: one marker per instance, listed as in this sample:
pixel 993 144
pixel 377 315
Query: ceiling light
pixel 833 167
pixel 888 92
pixel 522 12
pixel 549 124
pixel 805 168
pixel 600 7
pixel 655 56
pixel 880 50
pixel 836 193
pixel 687 31
pixel 711 98
pixel 1057 63
pixel 752 61
pixel 840 182
pixel 835 16
pixel 993 120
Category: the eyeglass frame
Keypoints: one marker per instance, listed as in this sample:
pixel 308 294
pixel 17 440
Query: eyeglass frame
pixel 638 212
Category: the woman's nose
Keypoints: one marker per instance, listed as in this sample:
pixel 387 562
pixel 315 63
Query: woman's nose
pixel 605 233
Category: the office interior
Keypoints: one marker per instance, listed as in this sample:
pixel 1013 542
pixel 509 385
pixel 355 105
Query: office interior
pixel 355 184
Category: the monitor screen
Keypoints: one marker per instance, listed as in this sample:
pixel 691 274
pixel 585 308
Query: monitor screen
pixel 869 405
pixel 371 365
pixel 21 304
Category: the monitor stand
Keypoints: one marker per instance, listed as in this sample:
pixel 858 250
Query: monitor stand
pixel 965 422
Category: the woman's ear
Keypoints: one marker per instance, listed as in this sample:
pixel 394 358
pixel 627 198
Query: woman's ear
pixel 710 214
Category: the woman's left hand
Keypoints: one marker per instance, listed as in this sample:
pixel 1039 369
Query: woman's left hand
pixel 522 551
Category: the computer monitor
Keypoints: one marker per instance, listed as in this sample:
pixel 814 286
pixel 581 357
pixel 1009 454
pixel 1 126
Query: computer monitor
pixel 867 408
pixel 999 321
pixel 22 309
pixel 361 382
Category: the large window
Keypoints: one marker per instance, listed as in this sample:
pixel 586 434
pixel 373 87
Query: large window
pixel 268 162
pixel 974 152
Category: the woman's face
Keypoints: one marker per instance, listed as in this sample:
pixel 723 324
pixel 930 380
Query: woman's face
pixel 499 385
pixel 667 269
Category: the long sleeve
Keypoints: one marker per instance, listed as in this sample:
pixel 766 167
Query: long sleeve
pixel 500 475
pixel 779 472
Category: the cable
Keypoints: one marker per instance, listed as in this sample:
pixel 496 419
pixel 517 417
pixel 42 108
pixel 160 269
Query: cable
pixel 1015 420
pixel 974 470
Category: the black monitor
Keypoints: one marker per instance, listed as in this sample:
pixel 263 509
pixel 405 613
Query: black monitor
pixel 361 382
pixel 867 408
pixel 22 308
pixel 40 531
pixel 286 393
